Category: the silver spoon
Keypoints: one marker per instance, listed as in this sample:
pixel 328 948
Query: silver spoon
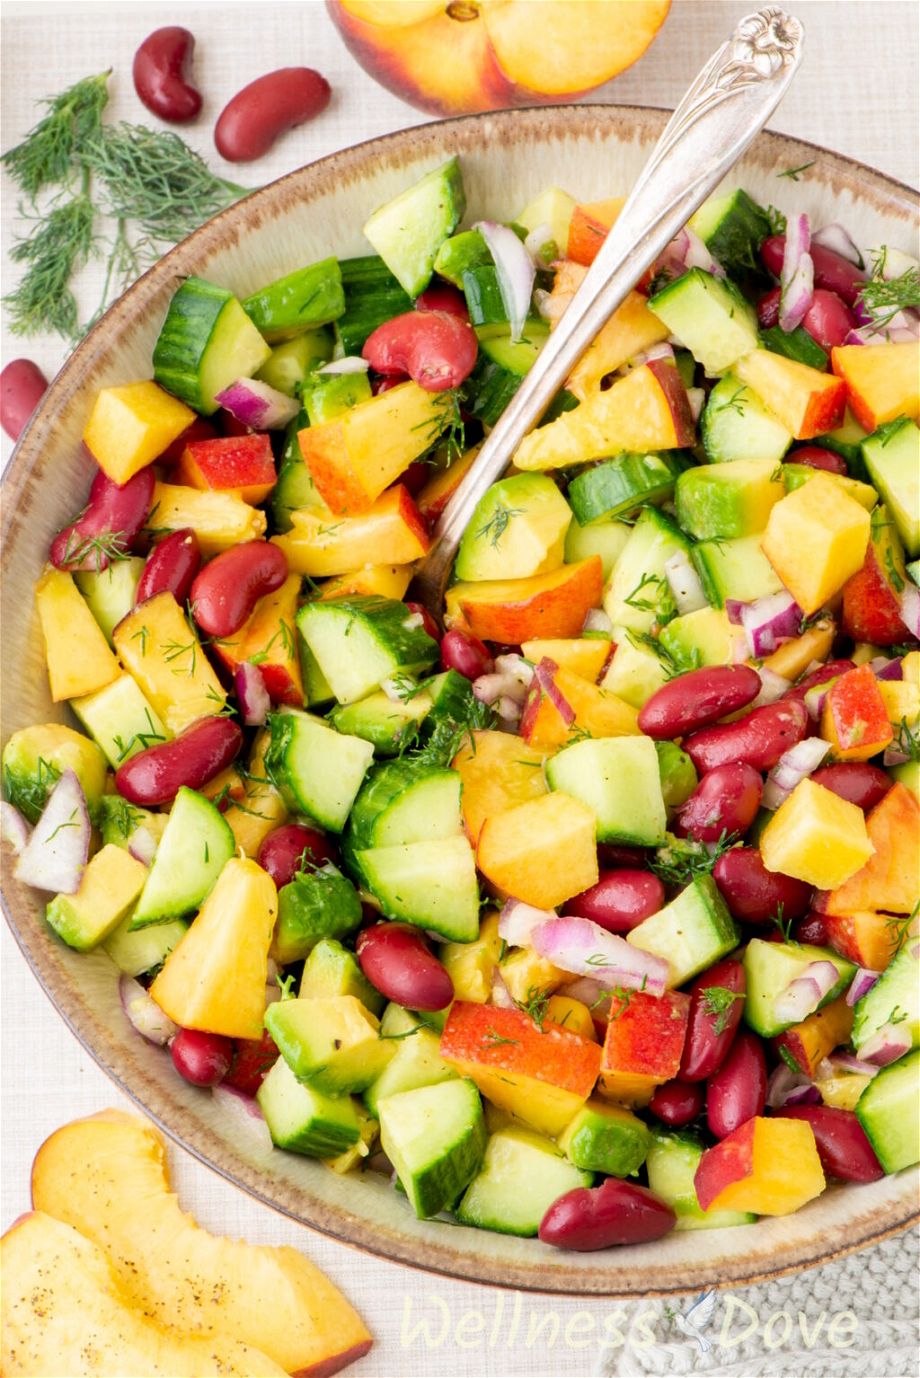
pixel 725 107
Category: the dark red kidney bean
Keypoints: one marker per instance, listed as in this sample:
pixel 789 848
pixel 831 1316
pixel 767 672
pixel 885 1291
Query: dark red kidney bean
pixel 613 856
pixel 435 348
pixel 676 1103
pixel 255 117
pixel 713 1019
pixel 698 698
pixel 198 430
pixel 833 273
pixel 828 320
pixel 253 1059
pixel 811 929
pixel 754 894
pixel 817 457
pixel 22 387
pixel 616 1212
pixel 440 296
pixel 171 567
pixel 399 963
pixel 228 588
pixel 379 385
pixel 162 68
pixel 758 740
pixel 230 425
pixel 113 516
pixel 286 850
pixel 843 1148
pixel 414 478
pixel 829 670
pixel 738 1090
pixel 619 901
pixel 202 1058
pixel 858 782
pixel 429 626
pixel 768 309
pixel 465 653
pixel 725 801
pixel 202 751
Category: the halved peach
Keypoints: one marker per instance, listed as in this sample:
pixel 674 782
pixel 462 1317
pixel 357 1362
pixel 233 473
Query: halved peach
pixel 498 771
pixel 516 610
pixel 542 852
pixel 319 545
pixel 882 381
pixel 807 402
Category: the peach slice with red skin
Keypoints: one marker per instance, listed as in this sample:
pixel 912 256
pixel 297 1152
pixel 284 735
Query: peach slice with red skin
pixel 762 1166
pixel 544 606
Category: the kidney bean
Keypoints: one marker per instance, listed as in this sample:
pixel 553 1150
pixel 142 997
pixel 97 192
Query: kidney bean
pixel 113 517
pixel 859 782
pixel 465 653
pixel 725 801
pixel 429 626
pixel 162 68
pixel 614 856
pixel 253 1059
pixel 255 117
pixel 758 740
pixel 399 963
pixel 171 567
pixel 843 1148
pixel 713 1019
pixel 811 929
pixel 768 309
pixel 698 698
pixel 616 1212
pixel 198 430
pixel 202 1058
pixel 738 1090
pixel 22 387
pixel 676 1103
pixel 285 851
pixel 440 296
pixel 754 894
pixel 416 475
pixel 619 901
pixel 828 321
pixel 817 457
pixel 200 752
pixel 832 272
pixel 225 592
pixel 830 670
pixel 435 348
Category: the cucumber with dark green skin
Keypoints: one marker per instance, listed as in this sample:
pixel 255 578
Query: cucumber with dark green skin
pixel 483 296
pixel 435 1137
pixel 405 801
pixel 501 365
pixel 386 724
pixel 205 343
pixel 733 229
pixel 618 486
pixel 408 230
pixel 295 488
pixel 459 253
pixel 308 297
pixel 359 642
pixel 795 344
pixel 326 395
pixel 317 770
pixel 314 905
pixel 452 697
pixel 372 296
pixel 304 1120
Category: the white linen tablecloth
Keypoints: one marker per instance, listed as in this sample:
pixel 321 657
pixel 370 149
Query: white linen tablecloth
pixel 857 93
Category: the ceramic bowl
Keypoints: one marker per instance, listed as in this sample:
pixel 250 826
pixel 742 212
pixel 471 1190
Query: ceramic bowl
pixel 594 151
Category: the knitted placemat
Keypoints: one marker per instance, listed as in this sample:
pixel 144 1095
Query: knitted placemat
pixel 858 1316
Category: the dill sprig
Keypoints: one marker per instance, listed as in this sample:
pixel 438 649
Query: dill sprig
pixel 60 245
pixel 45 155
pixel 884 297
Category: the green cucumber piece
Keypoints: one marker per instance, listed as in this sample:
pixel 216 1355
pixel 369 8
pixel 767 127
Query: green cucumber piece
pixel 606 538
pixel 318 770
pixel 195 845
pixel 638 593
pixel 501 365
pixel 606 1138
pixel 636 672
pixel 431 884
pixel 671 1165
pixel 736 424
pixel 619 780
pixel 416 1062
pixel 435 1137
pixel 895 998
pixel 330 969
pixel 316 689
pixel 678 774
pixel 328 395
pixel 299 301
pixel 120 720
pixel 522 1174
pixel 460 252
pixel 111 593
pixel 333 1041
pixel 770 967
pixel 795 344
pixel 892 458
pixel 691 932
pixel 616 487
pixel 710 317
pixel 847 440
pixel 483 296
pixel 302 1119
pixel 291 361
pixel 136 951
pixel 889 1112
pixel 372 296
pixel 359 642
pixel 734 569
pixel 118 821
pixel 206 343
pixel 403 802
pixel 295 488
pixel 733 229
pixel 408 231
pixel 314 905
pixel 722 501
pixel 388 726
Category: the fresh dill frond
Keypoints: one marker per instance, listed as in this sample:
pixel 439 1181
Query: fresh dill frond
pixel 44 158
pixel 718 1002
pixel 793 172
pixel 681 859
pixel 498 523
pixel 884 297
pixel 60 245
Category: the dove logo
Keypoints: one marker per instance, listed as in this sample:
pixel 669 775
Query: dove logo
pixel 697 1319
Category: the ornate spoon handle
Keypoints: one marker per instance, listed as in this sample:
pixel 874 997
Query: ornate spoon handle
pixel 726 106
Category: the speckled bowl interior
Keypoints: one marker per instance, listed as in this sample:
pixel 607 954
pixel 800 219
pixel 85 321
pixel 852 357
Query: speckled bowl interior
pixel 593 151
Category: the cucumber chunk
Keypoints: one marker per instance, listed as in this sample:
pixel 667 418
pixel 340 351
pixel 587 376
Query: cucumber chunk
pixel 889 1112
pixel 331 969
pixel 734 569
pixel 737 425
pixel 618 486
pixel 619 780
pixel 408 231
pixel 770 967
pixel 333 1041
pixel 606 538
pixel 314 905
pixel 432 884
pixel 372 296
pixel 501 365
pixel 303 299
pixel 733 229
pixel 416 1061
pixel 691 932
pixel 328 395
pixel 206 343
pixel 722 501
pixel 639 593
pixel 606 1138
pixel 196 843
pixel 111 592
pixel 404 802
pixel 136 951
pixel 295 488
pixel 292 360
pixel 671 1165
pixel 318 770
pixel 892 457
pixel 360 642
pixel 435 1137
pixel 120 720
pixel 678 774
pixel 710 317
pixel 460 252
pixel 795 344
pixel 302 1119
pixel 522 1174
pixel 483 296
pixel 894 997
pixel 388 726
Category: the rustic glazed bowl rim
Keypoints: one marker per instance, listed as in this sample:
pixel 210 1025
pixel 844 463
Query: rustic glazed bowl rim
pixel 191 1132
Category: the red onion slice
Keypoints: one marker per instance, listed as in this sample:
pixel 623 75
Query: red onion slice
pixel 143 845
pixel 246 1115
pixel 772 687
pixel 596 620
pixel 13 827
pixel 698 256
pixel 845 1062
pixel 515 269
pixel 909 605
pixel 351 363
pixel 783 1082
pixel 891 1042
pixel 501 995
pixel 684 583
pixel 797 278
pixel 804 994
pixel 254 700
pixel 794 766
pixel 861 984
pixel 804 1095
pixel 836 238
pixel 544 676
pixel 586 949
pixel 144 1014
pixel 591 993
pixel 697 399
pixel 769 621
pixel 538 241
pixel 55 856
pixel 518 920
pixel 814 697
pixel 256 404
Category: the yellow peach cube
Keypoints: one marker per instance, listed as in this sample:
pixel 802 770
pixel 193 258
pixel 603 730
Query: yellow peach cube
pixel 816 837
pixel 542 852
pixel 816 539
pixel 76 652
pixel 901 699
pixel 768 1166
pixel 526 973
pixel 131 425
pixel 571 1014
pixel 219 520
